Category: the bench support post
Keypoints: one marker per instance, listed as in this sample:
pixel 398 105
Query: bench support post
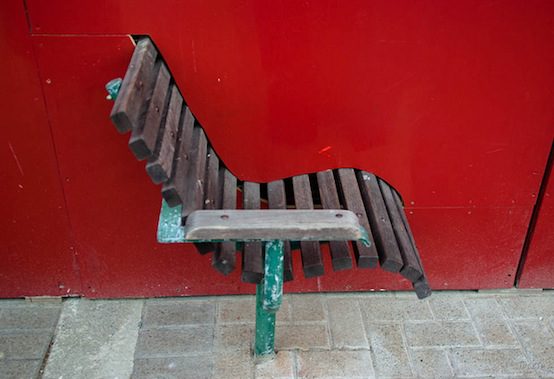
pixel 269 295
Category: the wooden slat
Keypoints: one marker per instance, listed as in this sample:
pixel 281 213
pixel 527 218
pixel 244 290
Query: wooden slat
pixel 224 258
pixel 211 194
pixel 252 256
pixel 389 252
pixel 172 190
pixel 277 199
pixel 366 256
pixel 340 252
pixel 144 136
pixel 128 110
pixel 193 186
pixel 411 268
pixel 312 264
pixel 160 164
pixel 422 289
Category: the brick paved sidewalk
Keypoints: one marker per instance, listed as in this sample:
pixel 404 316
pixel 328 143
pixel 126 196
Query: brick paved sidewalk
pixel 385 335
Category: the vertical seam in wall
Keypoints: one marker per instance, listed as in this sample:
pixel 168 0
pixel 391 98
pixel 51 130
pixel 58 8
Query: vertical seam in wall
pixel 535 215
pixel 77 266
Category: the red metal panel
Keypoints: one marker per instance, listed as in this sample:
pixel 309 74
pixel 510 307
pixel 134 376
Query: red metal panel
pixel 538 271
pixel 36 252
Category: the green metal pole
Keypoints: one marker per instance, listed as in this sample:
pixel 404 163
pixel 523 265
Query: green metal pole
pixel 269 296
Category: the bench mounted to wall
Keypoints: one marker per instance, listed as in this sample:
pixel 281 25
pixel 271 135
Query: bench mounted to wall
pixel 351 210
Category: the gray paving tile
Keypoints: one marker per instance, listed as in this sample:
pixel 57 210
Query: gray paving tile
pixel 538 342
pixel 335 364
pixel 177 312
pixel 239 310
pixel 29 317
pixel 303 337
pixel 392 309
pixel 194 367
pixel 489 362
pixel 281 367
pixel 489 322
pixel 445 308
pixel 431 363
pixel 346 324
pixel 389 353
pixel 20 369
pixel 527 306
pixel 161 343
pixel 24 345
pixel 307 307
pixel 441 333
pixel 234 337
pixel 233 364
pixel 95 338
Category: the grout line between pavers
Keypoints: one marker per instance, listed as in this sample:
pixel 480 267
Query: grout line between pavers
pixel 406 347
pixel 472 321
pixel 328 322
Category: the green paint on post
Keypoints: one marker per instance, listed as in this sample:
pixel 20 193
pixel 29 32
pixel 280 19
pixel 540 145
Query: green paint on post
pixel 273 276
pixel 265 326
pixel 170 229
pixel 113 87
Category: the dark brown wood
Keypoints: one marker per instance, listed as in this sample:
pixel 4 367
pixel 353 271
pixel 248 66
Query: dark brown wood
pixel 422 289
pixel 411 269
pixel 277 199
pixel 160 164
pixel 143 138
pixel 389 252
pixel 312 263
pixel 340 252
pixel 172 190
pixel 193 187
pixel 130 105
pixel 252 256
pixel 224 258
pixel 366 256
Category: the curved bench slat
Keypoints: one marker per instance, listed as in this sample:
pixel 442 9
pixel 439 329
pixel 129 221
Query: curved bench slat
pixel 277 199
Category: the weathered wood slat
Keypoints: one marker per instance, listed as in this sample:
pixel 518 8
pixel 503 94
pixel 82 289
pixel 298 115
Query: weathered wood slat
pixel 277 199
pixel 144 136
pixel 160 164
pixel 130 105
pixel 252 256
pixel 366 256
pixel 383 233
pixel 411 269
pixel 224 258
pixel 312 263
pixel 193 187
pixel 211 194
pixel 340 252
pixel 172 190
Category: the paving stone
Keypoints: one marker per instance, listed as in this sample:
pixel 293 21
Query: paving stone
pixel 239 310
pixel 391 309
pixel 194 367
pixel 20 369
pixel 307 336
pixel 29 317
pixel 24 345
pixel 95 339
pixel 284 314
pixel 528 306
pixel 489 321
pixel 233 364
pixel 335 364
pixel 160 343
pixel 489 362
pixel 444 308
pixel 538 341
pixel 431 363
pixel 307 308
pixel 437 333
pixel 389 353
pixel 234 337
pixel 345 323
pixel 282 367
pixel 177 312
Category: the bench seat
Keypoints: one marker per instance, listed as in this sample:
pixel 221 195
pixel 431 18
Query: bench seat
pixel 180 158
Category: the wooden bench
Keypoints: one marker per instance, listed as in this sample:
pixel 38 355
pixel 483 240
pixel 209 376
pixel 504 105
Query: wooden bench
pixel 196 182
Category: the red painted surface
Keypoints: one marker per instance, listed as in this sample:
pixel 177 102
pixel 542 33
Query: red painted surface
pixel 451 103
pixel 36 250
pixel 538 271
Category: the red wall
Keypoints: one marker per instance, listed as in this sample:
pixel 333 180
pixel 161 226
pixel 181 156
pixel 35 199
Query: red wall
pixel 450 103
